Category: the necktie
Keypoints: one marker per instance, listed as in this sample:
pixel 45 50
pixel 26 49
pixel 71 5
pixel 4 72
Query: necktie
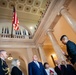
pixel 60 67
pixel 51 72
pixel 37 64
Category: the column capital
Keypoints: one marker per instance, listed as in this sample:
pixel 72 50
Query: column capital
pixel 62 8
pixel 39 45
pixel 50 30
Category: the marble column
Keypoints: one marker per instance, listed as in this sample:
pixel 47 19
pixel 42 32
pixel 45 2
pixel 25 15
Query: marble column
pixel 68 17
pixel 29 54
pixel 42 54
pixel 55 45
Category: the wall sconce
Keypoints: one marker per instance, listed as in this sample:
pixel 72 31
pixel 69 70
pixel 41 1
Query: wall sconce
pixel 52 56
pixel 10 57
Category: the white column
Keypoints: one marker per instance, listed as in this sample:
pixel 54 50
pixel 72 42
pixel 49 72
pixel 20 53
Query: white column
pixel 55 45
pixel 68 17
pixel 29 54
pixel 26 32
pixel 27 35
pixel 42 54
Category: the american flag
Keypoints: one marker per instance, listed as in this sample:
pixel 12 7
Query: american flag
pixel 15 21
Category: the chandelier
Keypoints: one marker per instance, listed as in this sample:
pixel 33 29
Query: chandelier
pixel 10 57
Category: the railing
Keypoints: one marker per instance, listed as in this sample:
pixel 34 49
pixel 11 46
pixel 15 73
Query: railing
pixel 6 33
pixel 14 36
pixel 21 36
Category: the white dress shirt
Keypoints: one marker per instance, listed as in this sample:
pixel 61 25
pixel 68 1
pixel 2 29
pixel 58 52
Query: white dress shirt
pixel 48 71
pixel 36 62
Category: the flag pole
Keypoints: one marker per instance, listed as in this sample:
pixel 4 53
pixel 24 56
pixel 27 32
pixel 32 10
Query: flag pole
pixel 15 22
pixel 12 31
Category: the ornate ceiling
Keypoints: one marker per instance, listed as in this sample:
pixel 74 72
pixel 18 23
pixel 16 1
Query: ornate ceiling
pixel 35 7
pixel 28 10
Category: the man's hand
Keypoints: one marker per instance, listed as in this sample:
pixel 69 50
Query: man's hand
pixel 64 53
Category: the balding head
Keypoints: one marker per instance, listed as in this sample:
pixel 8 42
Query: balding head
pixel 57 62
pixel 35 58
pixel 2 51
pixel 63 62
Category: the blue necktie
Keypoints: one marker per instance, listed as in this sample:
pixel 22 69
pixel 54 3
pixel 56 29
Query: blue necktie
pixel 37 64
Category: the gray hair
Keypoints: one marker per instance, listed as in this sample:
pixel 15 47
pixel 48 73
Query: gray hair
pixel 14 63
pixel 2 51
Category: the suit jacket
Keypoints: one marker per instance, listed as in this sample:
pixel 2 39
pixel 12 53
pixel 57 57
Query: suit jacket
pixel 33 69
pixel 70 70
pixel 71 49
pixel 61 71
pixel 16 71
pixel 4 70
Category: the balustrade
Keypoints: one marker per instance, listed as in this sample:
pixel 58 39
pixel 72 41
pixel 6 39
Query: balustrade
pixel 5 33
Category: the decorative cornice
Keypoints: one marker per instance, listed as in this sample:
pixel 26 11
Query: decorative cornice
pixel 16 40
pixel 48 21
pixel 16 43
pixel 42 26
pixel 17 46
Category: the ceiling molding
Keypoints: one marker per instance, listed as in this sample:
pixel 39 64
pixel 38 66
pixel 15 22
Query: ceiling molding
pixel 41 28
pixel 25 6
pixel 48 20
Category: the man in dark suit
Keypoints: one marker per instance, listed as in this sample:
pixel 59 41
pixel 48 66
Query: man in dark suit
pixel 69 68
pixel 60 69
pixel 71 49
pixel 4 70
pixel 35 67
